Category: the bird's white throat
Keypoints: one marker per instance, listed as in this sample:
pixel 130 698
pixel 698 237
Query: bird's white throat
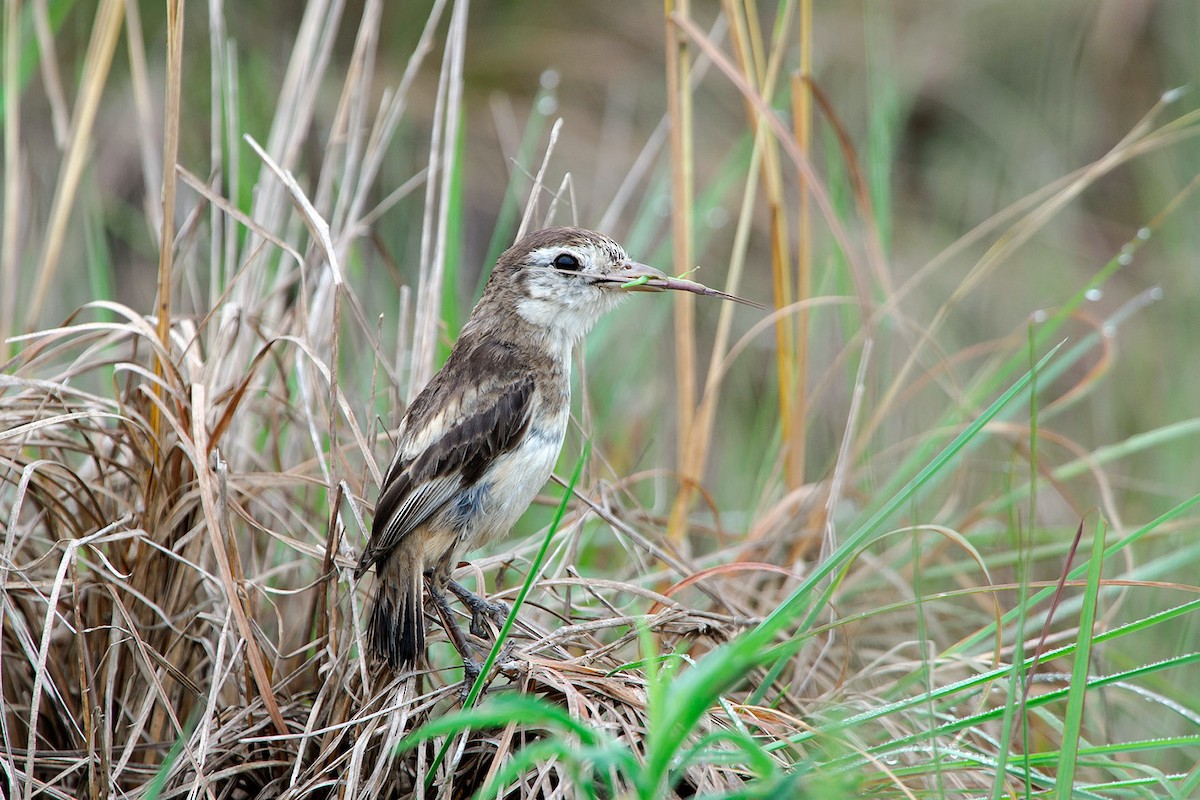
pixel 565 310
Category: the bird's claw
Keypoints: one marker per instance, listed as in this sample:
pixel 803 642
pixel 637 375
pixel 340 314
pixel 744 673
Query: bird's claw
pixel 496 612
pixel 505 664
pixel 480 609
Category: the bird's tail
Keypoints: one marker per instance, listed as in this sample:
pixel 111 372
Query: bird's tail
pixel 396 633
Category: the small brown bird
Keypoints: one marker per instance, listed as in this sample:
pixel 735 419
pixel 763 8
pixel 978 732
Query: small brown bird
pixel 483 435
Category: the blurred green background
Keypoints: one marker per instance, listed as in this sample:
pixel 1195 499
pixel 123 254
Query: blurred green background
pixel 956 110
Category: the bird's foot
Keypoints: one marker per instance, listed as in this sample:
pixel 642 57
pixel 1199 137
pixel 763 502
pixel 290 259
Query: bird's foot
pixel 480 609
pixel 471 667
pixel 505 664
pixel 471 670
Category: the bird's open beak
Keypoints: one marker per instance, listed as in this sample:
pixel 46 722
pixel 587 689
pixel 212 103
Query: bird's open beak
pixel 635 277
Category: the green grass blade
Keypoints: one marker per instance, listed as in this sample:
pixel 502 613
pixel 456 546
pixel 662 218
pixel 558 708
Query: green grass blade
pixel 988 631
pixel 1077 692
pixel 695 690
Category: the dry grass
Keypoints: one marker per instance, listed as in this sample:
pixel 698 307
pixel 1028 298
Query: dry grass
pixel 186 594
pixel 183 492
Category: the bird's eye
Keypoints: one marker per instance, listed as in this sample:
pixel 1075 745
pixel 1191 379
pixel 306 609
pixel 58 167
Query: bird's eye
pixel 566 261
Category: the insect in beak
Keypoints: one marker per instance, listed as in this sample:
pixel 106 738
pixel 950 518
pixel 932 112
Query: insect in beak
pixel 635 277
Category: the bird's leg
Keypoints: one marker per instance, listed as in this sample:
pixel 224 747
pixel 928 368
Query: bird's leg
pixel 471 667
pixel 479 608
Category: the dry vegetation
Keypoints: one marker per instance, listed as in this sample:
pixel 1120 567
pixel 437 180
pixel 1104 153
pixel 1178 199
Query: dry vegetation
pixel 835 552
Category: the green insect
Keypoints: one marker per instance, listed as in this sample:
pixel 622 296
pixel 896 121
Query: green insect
pixel 646 279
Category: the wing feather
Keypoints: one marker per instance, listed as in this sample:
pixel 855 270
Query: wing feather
pixel 489 423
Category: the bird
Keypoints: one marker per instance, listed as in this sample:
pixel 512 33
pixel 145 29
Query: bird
pixel 483 435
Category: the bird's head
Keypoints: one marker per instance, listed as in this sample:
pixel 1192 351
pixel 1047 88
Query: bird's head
pixel 569 277
pixel 562 280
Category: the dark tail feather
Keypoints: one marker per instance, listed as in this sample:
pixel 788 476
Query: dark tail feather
pixel 396 633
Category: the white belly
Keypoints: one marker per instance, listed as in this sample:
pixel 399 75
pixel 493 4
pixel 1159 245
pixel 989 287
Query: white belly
pixel 512 483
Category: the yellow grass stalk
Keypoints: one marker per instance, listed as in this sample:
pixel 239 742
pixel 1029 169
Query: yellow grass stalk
pixel 679 109
pixel 105 32
pixel 166 244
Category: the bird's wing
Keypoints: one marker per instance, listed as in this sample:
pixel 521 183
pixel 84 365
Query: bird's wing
pixel 448 457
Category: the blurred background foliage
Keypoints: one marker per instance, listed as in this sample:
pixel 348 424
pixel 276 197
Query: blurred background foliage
pixel 956 110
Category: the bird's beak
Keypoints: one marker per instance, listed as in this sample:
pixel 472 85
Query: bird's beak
pixel 635 277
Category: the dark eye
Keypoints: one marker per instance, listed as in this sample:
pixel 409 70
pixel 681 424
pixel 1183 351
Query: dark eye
pixel 566 261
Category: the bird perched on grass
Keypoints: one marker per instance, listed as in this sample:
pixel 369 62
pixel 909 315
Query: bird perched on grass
pixel 483 435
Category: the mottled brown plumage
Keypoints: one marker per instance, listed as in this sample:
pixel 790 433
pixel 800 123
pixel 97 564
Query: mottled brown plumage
pixel 483 435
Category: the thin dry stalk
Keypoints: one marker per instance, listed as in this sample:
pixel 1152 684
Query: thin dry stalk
pixel 538 183
pixel 105 32
pixel 49 63
pixel 802 124
pixel 166 244
pixel 10 247
pixel 748 51
pixel 679 111
pixel 436 221
pixel 699 437
pixel 139 78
